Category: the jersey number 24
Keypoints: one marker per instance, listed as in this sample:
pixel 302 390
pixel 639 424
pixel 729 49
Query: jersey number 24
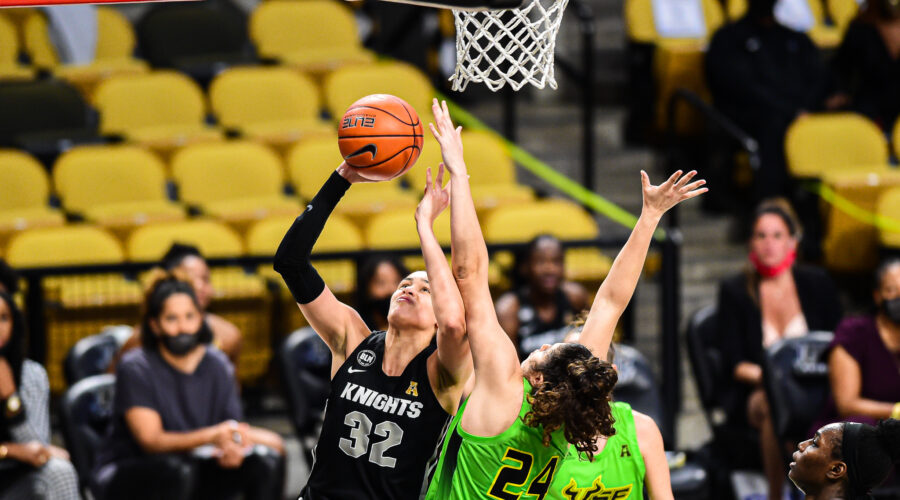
pixel 516 476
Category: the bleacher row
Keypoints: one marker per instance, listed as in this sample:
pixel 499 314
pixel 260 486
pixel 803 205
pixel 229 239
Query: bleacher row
pixel 227 171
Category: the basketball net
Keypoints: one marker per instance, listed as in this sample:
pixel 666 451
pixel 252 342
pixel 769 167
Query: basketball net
pixel 513 46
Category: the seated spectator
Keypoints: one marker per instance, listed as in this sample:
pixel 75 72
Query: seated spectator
pixel 763 75
pixel 175 430
pixel 867 64
pixel 864 358
pixel 846 460
pixel 541 304
pixel 32 467
pixel 9 280
pixel 188 261
pixel 379 277
pixel 772 300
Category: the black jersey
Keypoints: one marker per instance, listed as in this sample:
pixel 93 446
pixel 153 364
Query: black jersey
pixel 381 434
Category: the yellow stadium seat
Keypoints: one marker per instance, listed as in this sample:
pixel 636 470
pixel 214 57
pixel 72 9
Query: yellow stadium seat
pixel 9 52
pixel 312 161
pixel 889 210
pixel 315 35
pixel 851 245
pixel 397 229
pixel 162 109
pixel 821 34
pixel 640 25
pixel 276 105
pixel 63 246
pixel 235 181
pixel 347 85
pixel 113 55
pixel 116 186
pixel 521 223
pixel 23 195
pixel 842 12
pixel 213 239
pixel 820 143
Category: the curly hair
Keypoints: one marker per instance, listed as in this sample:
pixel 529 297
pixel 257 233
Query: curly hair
pixel 574 395
pixel 164 284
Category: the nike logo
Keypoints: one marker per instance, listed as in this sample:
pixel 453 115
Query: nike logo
pixel 351 370
pixel 368 148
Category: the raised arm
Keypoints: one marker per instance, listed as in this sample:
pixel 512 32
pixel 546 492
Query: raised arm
pixel 339 325
pixel 454 361
pixel 618 287
pixel 497 392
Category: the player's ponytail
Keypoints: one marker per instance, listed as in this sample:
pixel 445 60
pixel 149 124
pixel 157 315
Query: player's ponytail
pixel 575 395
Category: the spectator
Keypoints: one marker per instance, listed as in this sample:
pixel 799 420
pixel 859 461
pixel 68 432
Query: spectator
pixel 542 304
pixel 380 276
pixel 9 280
pixel 33 468
pixel 175 430
pixel 864 357
pixel 187 260
pixel 867 64
pixel 773 299
pixel 763 75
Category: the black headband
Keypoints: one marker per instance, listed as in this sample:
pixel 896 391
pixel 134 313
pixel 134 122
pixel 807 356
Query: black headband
pixel 850 451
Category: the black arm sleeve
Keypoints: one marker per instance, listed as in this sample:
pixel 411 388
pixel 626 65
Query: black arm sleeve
pixel 292 256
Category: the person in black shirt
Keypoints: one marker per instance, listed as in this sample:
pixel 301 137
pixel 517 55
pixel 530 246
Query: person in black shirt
pixel 176 413
pixel 867 64
pixel 763 75
pixel 392 392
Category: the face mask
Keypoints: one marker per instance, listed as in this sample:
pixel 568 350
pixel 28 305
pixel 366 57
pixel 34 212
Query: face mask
pixel 180 344
pixel 772 271
pixel 891 309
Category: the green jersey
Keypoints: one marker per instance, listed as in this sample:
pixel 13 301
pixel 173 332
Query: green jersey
pixel 513 465
pixel 617 472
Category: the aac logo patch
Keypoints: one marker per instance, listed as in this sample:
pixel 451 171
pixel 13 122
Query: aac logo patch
pixel 365 358
pixel 413 389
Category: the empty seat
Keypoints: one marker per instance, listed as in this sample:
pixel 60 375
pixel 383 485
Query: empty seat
pixel 889 211
pixel 163 109
pixel 316 35
pixel 9 53
pixel 236 181
pixel 824 142
pixel 842 12
pixel 116 186
pixel 347 85
pixel 61 246
pixel 641 25
pixel 198 39
pixel 274 104
pixel 214 239
pixel 24 190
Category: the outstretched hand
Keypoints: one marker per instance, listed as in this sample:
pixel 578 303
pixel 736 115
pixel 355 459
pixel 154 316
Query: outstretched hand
pixel 448 137
pixel 659 199
pixel 351 174
pixel 436 198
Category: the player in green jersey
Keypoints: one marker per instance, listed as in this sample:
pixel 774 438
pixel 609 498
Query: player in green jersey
pixel 510 435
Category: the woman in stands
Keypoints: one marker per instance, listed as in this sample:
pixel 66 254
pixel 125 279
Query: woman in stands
pixel 393 391
pixel 846 460
pixel 543 303
pixel 379 277
pixel 517 423
pixel 30 467
pixel 864 357
pixel 175 431
pixel 771 300
pixel 188 261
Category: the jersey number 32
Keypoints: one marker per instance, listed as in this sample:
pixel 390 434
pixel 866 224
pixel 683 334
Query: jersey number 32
pixel 358 444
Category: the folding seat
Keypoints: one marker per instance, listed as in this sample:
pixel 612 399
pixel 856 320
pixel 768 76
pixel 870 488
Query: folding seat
pixel 273 104
pixel 162 109
pixel 889 212
pixel 345 86
pixel 118 187
pixel 76 306
pixel 314 35
pixel 828 142
pixel 113 53
pixel 24 190
pixel 824 35
pixel 235 181
pixel 312 161
pixel 9 53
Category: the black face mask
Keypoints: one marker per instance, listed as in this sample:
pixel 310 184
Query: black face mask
pixel 891 309
pixel 183 343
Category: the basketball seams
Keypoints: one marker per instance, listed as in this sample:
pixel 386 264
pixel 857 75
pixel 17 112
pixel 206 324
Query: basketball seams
pixel 363 167
pixel 387 130
pixel 366 106
pixel 380 135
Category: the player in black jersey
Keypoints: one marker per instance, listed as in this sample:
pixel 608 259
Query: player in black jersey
pixel 392 392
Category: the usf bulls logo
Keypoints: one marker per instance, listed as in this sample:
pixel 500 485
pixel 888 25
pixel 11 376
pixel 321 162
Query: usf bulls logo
pixel 596 491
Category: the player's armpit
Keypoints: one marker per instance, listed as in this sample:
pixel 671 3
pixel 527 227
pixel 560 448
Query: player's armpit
pixel 338 324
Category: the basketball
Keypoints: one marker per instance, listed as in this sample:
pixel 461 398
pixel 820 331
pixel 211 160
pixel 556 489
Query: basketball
pixel 380 136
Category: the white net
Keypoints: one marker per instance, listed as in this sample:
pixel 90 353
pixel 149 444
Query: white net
pixel 513 46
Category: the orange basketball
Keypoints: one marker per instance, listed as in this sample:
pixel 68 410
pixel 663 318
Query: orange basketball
pixel 381 136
